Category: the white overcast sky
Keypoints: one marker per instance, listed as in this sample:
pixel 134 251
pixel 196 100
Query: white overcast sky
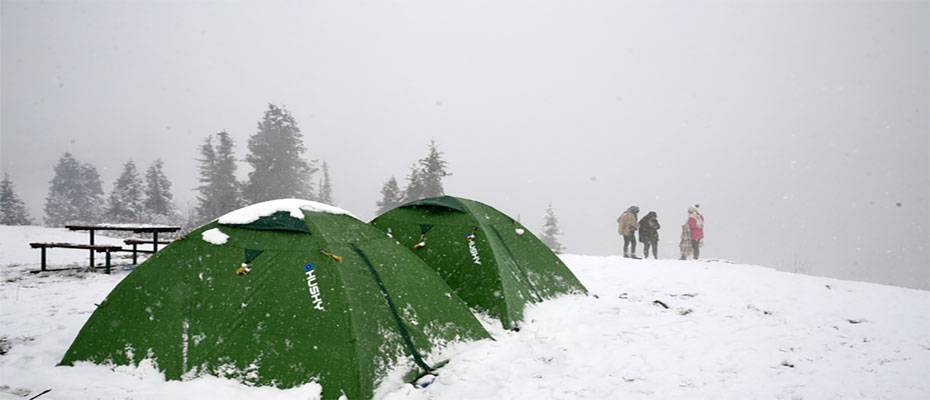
pixel 798 126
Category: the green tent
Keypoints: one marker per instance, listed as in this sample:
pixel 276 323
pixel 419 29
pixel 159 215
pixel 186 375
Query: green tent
pixel 490 260
pixel 280 293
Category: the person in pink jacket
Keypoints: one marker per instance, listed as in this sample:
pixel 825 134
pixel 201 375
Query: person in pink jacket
pixel 696 225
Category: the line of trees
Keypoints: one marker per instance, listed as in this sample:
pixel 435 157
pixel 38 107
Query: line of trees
pixel 76 195
pixel 276 153
pixel 279 169
pixel 423 181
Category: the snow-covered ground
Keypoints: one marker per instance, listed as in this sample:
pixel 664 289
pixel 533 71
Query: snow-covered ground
pixel 731 332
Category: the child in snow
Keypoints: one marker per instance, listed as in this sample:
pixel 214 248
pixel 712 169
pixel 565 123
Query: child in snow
pixel 696 226
pixel 649 234
pixel 685 244
pixel 627 226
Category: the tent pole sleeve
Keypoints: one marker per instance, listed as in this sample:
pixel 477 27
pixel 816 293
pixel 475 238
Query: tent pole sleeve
pixel 408 341
pixel 515 262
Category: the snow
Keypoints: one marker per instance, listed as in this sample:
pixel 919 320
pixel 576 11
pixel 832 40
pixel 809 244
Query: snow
pixel 134 226
pixel 731 331
pixel 253 212
pixel 215 236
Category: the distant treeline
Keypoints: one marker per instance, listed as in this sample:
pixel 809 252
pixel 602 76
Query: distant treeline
pixel 279 169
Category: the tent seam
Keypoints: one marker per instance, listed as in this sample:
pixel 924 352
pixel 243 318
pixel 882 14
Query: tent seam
pixel 508 307
pixel 517 264
pixel 345 292
pixel 405 333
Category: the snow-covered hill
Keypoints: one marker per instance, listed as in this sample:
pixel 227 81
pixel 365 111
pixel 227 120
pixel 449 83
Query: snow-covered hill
pixel 730 332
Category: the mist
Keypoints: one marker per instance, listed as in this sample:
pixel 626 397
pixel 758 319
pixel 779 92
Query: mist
pixel 801 128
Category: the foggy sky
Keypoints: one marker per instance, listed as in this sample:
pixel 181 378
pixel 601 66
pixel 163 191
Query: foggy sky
pixel 797 126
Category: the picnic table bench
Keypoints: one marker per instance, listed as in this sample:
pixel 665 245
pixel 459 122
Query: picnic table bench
pixel 135 247
pixel 95 248
pixel 137 228
pixel 101 248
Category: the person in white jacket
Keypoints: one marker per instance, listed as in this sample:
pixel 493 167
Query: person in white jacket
pixel 627 224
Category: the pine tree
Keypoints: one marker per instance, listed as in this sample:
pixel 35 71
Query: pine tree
pixel 220 192
pixel 64 188
pixel 432 171
pixel 12 209
pixel 90 202
pixel 391 196
pixel 276 156
pixel 326 187
pixel 158 198
pixel 125 204
pixel 415 185
pixel 551 231
pixel 75 193
pixel 207 207
pixel 228 190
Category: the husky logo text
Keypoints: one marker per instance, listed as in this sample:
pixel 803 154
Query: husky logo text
pixel 473 251
pixel 313 288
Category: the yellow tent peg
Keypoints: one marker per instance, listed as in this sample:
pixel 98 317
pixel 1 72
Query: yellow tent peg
pixel 421 243
pixel 243 269
pixel 331 255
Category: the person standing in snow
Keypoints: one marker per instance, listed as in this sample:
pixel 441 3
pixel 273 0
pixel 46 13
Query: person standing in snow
pixel 685 243
pixel 627 226
pixel 649 234
pixel 696 226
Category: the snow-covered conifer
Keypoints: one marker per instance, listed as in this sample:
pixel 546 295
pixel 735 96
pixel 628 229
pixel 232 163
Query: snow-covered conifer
pixel 219 190
pixel 326 187
pixel 125 203
pixel 414 188
pixel 391 196
pixel 12 209
pixel 158 198
pixel 75 193
pixel 551 231
pixel 276 156
pixel 432 171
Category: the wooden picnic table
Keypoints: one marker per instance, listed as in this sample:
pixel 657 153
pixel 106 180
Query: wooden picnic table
pixel 135 228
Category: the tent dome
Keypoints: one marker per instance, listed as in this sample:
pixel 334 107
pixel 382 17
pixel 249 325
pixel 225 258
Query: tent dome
pixel 280 293
pixel 490 260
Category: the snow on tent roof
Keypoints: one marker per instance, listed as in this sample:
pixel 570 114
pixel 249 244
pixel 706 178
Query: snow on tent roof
pixel 215 236
pixel 294 207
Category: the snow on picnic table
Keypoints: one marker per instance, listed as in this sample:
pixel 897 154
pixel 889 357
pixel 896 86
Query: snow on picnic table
pixel 731 331
pixel 106 226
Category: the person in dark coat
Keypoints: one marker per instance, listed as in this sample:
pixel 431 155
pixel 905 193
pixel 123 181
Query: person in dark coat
pixel 649 234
